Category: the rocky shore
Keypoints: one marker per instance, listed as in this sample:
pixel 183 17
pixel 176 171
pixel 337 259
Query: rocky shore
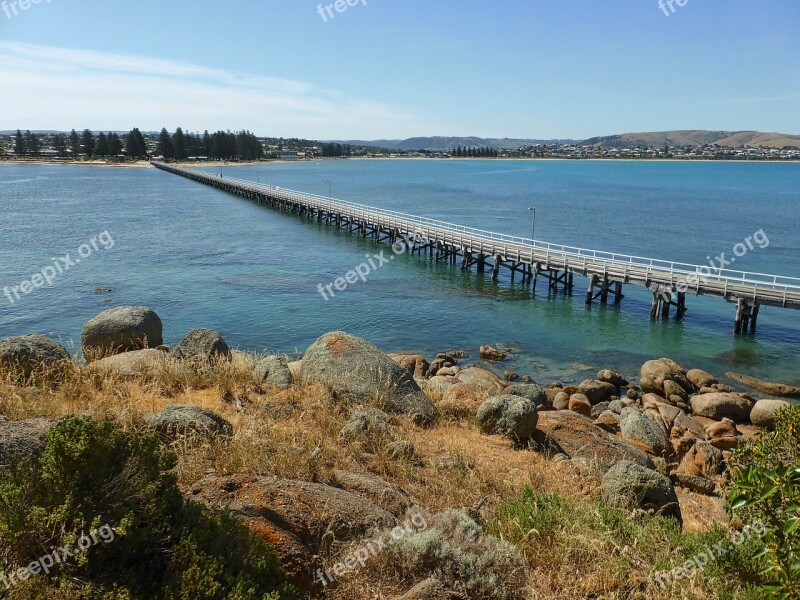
pixel 656 442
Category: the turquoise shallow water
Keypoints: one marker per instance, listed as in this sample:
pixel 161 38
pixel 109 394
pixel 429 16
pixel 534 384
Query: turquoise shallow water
pixel 202 258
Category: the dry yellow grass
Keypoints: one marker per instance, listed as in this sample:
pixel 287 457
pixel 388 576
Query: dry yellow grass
pixel 276 432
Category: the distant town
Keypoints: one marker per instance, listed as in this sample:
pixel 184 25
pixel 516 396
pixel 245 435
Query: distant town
pixel 120 147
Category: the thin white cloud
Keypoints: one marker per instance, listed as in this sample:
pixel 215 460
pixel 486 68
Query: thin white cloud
pixel 791 97
pixel 46 87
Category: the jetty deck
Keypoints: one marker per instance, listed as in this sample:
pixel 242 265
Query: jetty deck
pixel 607 272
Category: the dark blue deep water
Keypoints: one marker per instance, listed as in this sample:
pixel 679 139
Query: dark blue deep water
pixel 202 258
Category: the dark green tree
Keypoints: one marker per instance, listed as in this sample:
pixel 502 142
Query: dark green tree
pixel 20 148
pixel 207 144
pixel 179 144
pixel 164 147
pixel 74 143
pixel 32 144
pixel 60 144
pixel 102 145
pixel 114 145
pixel 88 142
pixel 135 145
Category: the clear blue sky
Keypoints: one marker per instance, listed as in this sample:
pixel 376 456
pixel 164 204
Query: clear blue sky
pixel 400 68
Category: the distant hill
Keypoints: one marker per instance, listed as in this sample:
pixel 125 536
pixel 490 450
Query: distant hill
pixel 659 139
pixel 448 143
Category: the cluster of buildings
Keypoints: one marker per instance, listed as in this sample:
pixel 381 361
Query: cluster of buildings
pixel 712 152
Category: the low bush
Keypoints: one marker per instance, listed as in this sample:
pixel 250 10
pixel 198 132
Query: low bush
pixel 765 486
pixel 90 475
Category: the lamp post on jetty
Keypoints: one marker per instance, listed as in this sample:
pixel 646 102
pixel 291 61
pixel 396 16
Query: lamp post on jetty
pixel 330 195
pixel 533 224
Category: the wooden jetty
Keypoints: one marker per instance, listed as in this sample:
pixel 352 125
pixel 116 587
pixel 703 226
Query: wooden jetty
pixel 669 282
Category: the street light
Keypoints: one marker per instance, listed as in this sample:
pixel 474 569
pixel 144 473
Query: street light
pixel 533 224
pixel 329 189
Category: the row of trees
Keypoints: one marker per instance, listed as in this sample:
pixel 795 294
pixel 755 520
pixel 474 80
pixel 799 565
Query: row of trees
pixel 221 145
pixel 469 152
pixel 83 144
pixel 335 150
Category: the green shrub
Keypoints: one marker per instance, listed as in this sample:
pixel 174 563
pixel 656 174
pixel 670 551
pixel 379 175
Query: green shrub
pixel 92 474
pixel 765 486
pixel 455 549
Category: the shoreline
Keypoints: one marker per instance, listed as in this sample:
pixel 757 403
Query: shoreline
pixel 146 164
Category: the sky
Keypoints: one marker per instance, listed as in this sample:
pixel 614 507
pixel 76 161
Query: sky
pixel 387 69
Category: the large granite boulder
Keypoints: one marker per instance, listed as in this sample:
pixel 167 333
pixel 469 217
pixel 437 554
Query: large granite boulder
pixel 188 420
pixel 416 364
pixel 486 380
pixel 382 493
pixel 360 372
pixel 133 364
pixel 273 371
pixel 654 373
pixel 28 357
pixel 628 485
pixel 644 433
pixel 22 440
pixel 531 391
pixel 597 391
pixel 512 416
pixel 369 422
pixel 202 346
pixel 763 413
pixel 720 404
pixel 567 432
pixel 298 518
pixel 701 378
pixel 121 329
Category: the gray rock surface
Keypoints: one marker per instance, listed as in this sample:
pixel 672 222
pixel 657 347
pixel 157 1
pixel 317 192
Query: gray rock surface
pixel 627 485
pixel 360 372
pixel 22 440
pixel 763 413
pixel 512 416
pixel 566 432
pixel 121 329
pixel 185 419
pixel 203 345
pixel 273 371
pixel 647 434
pixel 29 356
pixel 720 404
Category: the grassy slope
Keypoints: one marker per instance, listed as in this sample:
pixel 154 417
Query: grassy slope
pixel 573 547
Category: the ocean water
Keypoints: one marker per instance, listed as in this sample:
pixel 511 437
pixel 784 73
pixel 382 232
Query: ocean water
pixel 202 258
